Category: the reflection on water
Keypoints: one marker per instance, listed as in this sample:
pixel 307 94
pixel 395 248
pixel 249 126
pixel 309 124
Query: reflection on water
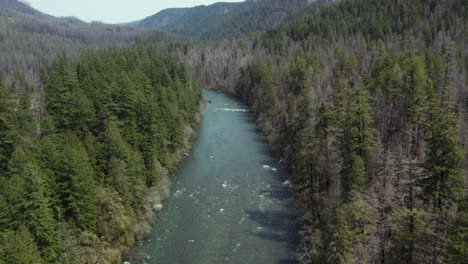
pixel 230 202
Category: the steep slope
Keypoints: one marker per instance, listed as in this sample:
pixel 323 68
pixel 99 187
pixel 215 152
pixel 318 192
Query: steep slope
pixel 223 20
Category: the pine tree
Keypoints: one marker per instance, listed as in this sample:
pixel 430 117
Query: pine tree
pixel 458 235
pixel 417 86
pixel 337 239
pixel 73 178
pixel 68 106
pixel 8 135
pixel 28 198
pixel 408 242
pixel 18 247
pixel 444 181
pixel 299 75
pixel 24 119
pixel 356 136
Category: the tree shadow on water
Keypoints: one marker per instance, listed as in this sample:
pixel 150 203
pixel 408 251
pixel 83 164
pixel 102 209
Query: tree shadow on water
pixel 288 261
pixel 280 227
pixel 277 193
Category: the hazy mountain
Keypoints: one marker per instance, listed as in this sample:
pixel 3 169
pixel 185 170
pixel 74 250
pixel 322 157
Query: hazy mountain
pixel 29 37
pixel 223 19
pixel 18 6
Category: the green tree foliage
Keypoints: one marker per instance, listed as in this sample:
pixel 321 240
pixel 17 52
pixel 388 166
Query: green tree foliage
pixel 28 193
pixel 371 96
pixel 25 123
pixel 223 20
pixel 408 241
pixel 19 247
pixel 356 136
pixel 70 171
pixel 7 131
pixel 458 235
pixel 111 119
pixel 338 239
pixel 444 181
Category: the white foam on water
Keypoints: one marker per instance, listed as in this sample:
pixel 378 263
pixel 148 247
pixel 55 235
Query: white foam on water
pixel 274 169
pixel 237 246
pixel 242 220
pixel 225 109
pixel 266 167
pixel 178 193
pixel 191 241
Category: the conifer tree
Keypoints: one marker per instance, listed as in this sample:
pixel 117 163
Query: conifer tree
pixel 458 235
pixel 28 197
pixel 18 247
pixel 8 135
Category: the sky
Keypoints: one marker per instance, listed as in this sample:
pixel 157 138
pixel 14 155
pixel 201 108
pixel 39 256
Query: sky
pixel 113 11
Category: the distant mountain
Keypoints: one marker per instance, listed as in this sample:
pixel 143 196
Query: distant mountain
pixel 18 6
pixel 223 20
pixel 30 38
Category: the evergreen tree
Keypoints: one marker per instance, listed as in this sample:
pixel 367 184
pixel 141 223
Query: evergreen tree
pixel 444 181
pixel 28 198
pixel 338 237
pixel 24 119
pixel 73 178
pixel 19 247
pixel 458 235
pixel 8 135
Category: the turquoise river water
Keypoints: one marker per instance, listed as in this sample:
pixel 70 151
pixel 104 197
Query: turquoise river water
pixel 230 201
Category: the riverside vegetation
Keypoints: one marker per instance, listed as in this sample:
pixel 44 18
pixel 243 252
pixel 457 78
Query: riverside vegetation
pixel 80 184
pixel 366 101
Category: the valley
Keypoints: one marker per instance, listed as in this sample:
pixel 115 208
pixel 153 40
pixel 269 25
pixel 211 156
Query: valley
pixel 365 103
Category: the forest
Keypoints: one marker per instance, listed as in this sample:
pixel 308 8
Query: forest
pixel 366 101
pixel 223 20
pixel 79 180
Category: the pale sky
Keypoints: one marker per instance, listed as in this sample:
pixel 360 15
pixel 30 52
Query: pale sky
pixel 113 11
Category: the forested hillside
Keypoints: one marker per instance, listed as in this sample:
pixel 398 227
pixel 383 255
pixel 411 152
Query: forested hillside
pixel 30 40
pixel 86 137
pixel 80 183
pixel 367 102
pixel 223 20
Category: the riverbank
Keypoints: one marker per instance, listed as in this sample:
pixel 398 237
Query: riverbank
pixel 230 201
pixel 154 201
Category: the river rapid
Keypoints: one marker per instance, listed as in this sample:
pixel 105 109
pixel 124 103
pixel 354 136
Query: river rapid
pixel 230 200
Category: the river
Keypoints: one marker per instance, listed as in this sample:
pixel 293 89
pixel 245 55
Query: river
pixel 230 200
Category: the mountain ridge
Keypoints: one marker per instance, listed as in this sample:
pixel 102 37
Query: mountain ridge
pixel 19 6
pixel 222 19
